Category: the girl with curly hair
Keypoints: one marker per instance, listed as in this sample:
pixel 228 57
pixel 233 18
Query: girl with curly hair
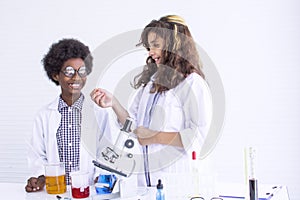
pixel 172 107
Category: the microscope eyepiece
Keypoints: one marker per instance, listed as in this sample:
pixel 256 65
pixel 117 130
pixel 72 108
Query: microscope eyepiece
pixel 127 125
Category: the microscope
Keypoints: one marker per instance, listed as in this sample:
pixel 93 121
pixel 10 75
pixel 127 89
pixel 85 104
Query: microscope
pixel 118 159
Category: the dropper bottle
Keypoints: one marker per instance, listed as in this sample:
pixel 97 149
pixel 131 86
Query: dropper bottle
pixel 160 195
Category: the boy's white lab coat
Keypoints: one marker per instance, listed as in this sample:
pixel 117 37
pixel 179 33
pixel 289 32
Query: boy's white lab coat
pixel 43 145
pixel 186 109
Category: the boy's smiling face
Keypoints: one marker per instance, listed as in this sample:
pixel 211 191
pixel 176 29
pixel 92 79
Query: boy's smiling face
pixel 71 86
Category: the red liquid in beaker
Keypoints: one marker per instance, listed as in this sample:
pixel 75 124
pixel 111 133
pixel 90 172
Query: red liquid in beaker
pixel 80 192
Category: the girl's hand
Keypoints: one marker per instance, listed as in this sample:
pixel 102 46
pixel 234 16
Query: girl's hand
pixel 145 136
pixel 102 97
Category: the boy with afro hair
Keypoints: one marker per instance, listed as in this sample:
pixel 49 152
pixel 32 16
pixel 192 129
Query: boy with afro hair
pixel 57 127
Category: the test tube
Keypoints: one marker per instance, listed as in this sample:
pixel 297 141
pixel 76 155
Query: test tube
pixel 252 175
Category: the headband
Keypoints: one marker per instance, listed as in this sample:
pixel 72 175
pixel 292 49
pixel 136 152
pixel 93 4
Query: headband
pixel 175 19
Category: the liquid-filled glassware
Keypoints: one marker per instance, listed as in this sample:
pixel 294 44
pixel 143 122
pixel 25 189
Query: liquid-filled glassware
pixel 80 184
pixel 55 178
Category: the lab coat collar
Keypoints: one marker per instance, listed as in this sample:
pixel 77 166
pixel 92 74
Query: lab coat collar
pixel 53 105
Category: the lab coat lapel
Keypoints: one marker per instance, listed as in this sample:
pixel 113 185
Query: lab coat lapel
pixel 54 121
pixel 143 104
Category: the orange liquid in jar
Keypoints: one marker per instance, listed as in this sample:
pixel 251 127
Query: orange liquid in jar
pixel 56 184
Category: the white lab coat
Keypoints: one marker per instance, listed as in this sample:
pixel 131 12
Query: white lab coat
pixel 43 144
pixel 186 109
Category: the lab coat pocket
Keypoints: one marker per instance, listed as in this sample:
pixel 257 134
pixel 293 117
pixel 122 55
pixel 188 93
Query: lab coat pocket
pixel 158 118
pixel 167 114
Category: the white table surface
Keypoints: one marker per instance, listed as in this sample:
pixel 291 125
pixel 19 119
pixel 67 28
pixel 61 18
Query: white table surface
pixel 265 191
pixel 17 191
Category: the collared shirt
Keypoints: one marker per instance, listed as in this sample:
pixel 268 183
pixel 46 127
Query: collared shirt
pixel 68 135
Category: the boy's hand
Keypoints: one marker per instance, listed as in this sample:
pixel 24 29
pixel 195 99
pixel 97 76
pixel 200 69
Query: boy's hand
pixel 35 184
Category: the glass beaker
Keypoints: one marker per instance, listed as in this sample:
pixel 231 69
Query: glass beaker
pixel 80 184
pixel 55 178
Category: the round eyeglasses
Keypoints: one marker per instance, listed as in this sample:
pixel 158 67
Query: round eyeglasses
pixel 70 71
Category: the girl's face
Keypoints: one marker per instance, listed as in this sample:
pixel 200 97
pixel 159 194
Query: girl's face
pixel 71 85
pixel 156 45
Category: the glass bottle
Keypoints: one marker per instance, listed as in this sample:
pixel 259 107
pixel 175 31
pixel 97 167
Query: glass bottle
pixel 160 195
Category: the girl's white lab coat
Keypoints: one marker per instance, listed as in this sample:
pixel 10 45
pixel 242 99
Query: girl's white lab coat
pixel 186 109
pixel 43 145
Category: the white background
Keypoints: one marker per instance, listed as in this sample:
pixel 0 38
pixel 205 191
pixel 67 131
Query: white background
pixel 254 45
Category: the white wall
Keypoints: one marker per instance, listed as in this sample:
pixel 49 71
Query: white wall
pixel 255 46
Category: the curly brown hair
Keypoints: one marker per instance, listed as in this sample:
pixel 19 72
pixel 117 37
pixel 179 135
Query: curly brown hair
pixel 62 51
pixel 180 56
